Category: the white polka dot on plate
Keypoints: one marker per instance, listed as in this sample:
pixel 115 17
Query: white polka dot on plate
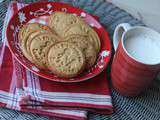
pixel 83 14
pixel 35 68
pixel 91 24
pixel 105 53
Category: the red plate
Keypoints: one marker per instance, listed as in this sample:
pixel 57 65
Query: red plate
pixel 40 11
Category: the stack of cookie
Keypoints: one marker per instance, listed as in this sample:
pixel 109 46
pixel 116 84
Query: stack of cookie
pixel 66 48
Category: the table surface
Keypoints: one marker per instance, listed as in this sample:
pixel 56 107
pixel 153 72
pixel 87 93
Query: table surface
pixel 143 107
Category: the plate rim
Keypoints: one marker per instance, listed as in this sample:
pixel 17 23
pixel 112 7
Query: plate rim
pixel 49 78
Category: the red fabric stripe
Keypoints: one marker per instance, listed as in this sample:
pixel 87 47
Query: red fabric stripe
pixel 103 109
pixel 97 85
pixel 2 104
pixel 14 6
pixel 6 71
pixel 90 106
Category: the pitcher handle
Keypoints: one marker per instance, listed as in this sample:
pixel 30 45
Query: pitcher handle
pixel 119 31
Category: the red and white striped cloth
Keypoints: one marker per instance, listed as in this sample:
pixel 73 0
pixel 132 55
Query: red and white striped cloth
pixel 25 91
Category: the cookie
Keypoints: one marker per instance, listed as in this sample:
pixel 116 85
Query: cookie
pixel 29 28
pixel 26 34
pixel 31 37
pixel 66 60
pixel 93 36
pixel 87 48
pixel 58 21
pixel 39 46
pixel 82 29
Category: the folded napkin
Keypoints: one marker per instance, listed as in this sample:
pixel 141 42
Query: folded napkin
pixel 22 90
pixel 92 95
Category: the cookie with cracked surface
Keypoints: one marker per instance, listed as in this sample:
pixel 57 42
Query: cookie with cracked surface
pixel 65 60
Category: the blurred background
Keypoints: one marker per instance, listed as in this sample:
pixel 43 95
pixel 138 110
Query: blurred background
pixel 146 10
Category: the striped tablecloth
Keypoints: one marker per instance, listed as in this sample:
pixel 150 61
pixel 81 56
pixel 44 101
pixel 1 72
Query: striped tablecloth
pixel 143 107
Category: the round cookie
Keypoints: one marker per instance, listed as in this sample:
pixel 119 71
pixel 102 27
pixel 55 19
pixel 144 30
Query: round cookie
pixel 39 46
pixel 93 36
pixel 31 37
pixel 83 29
pixel 21 33
pixel 58 21
pixel 87 48
pixel 29 28
pixel 26 34
pixel 66 60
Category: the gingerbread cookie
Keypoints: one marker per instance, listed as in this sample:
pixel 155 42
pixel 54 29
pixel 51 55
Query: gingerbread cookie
pixel 60 20
pixel 82 29
pixel 29 28
pixel 32 36
pixel 66 47
pixel 66 60
pixel 39 46
pixel 28 32
pixel 87 48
